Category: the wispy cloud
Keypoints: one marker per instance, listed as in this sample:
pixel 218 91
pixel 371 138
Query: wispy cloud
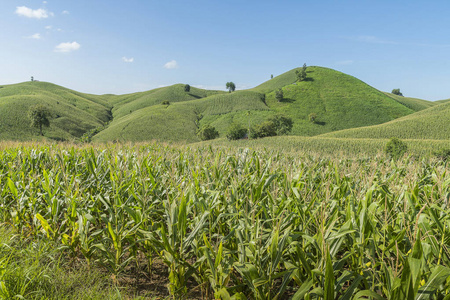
pixel 171 64
pixel 48 27
pixel 128 60
pixel 67 47
pixel 33 13
pixel 370 39
pixel 344 62
pixel 65 12
pixel 36 36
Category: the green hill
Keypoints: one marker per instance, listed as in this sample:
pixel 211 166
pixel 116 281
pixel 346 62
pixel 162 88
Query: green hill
pixel 442 101
pixel 412 103
pixel 73 113
pixel 340 101
pixel 431 123
pixel 180 120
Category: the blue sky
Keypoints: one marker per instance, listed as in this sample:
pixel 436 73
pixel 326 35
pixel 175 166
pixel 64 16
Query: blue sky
pixel 128 46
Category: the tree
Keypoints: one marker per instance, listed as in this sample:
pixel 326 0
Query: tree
pixel 236 131
pixel 279 95
pixel 395 148
pixel 207 132
pixel 39 116
pixel 231 86
pixel 271 76
pixel 265 129
pixel 301 75
pixel 32 78
pixel 187 88
pixel 283 124
pixel 312 117
pixel 165 102
pixel 397 92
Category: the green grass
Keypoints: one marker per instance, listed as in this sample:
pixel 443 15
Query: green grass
pixel 412 103
pixel 339 100
pixel 73 113
pixel 329 146
pixel 431 123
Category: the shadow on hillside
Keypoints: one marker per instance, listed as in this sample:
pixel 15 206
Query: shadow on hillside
pixel 320 123
pixel 288 100
pixel 308 79
pixel 195 96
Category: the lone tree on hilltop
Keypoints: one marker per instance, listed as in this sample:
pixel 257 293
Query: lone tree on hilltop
pixel 187 88
pixel 231 86
pixel 301 75
pixel 397 92
pixel 39 116
pixel 279 95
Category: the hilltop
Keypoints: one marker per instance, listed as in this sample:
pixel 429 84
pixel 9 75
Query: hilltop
pixel 339 101
pixel 73 113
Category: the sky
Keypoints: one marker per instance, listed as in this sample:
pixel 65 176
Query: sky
pixel 117 47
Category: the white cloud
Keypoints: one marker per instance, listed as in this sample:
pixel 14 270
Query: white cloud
pixel 44 2
pixel 33 13
pixel 36 36
pixel 67 47
pixel 171 64
pixel 128 60
pixel 48 27
pixel 65 12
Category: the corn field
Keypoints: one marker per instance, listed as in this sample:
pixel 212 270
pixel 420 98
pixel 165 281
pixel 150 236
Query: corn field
pixel 238 224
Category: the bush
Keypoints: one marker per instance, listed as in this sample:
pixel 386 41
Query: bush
pixel 443 154
pixel 207 133
pixel 397 92
pixel 187 88
pixel 283 124
pixel 165 102
pixel 312 117
pixel 265 129
pixel 279 95
pixel 395 148
pixel 236 131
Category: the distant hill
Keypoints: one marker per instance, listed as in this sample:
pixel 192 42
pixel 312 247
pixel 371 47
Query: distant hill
pixel 340 102
pixel 73 113
pixel 412 103
pixel 431 123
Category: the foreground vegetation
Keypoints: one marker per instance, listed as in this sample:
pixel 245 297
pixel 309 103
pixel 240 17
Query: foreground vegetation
pixel 225 223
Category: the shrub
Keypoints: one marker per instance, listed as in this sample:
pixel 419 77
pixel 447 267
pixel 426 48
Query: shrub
pixel 165 102
pixel 187 88
pixel 236 131
pixel 283 124
pixel 395 148
pixel 207 132
pixel 312 117
pixel 397 92
pixel 279 95
pixel 265 129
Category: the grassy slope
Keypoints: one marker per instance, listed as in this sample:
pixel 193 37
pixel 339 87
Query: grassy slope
pixel 412 103
pixel 73 113
pixel 180 120
pixel 339 100
pixel 431 123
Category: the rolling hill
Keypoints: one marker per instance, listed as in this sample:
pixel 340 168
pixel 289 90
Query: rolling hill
pixel 340 102
pixel 431 123
pixel 73 113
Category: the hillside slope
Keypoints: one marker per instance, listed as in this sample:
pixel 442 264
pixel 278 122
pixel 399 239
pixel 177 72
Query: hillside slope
pixel 412 103
pixel 431 123
pixel 340 101
pixel 73 113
